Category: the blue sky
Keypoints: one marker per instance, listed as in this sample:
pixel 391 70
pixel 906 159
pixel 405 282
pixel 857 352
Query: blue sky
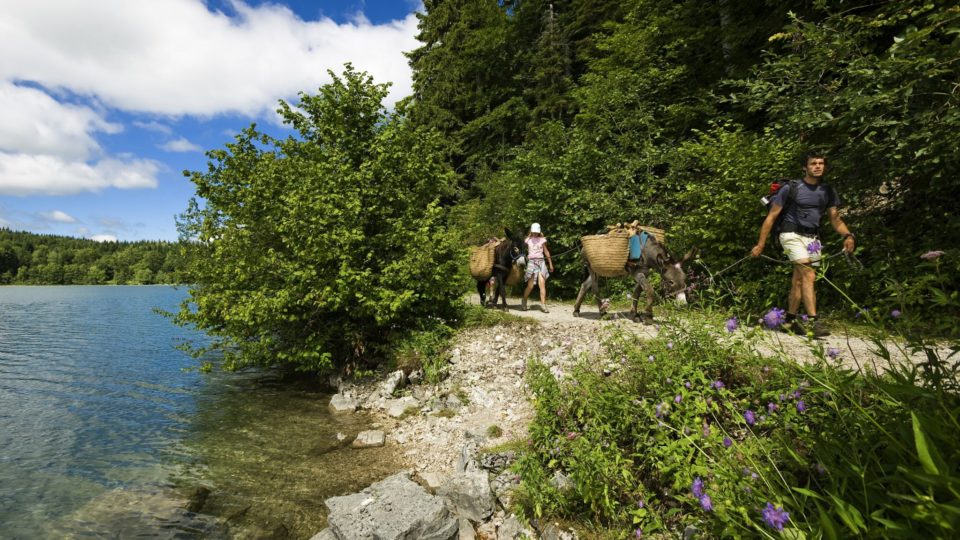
pixel 104 104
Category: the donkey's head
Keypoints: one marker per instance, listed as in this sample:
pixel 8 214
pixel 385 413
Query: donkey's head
pixel 673 274
pixel 510 251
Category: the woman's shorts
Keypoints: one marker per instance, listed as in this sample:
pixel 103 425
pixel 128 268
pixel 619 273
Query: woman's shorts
pixel 795 248
pixel 534 267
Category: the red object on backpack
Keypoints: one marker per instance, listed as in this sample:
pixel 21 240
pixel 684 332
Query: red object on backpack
pixel 775 187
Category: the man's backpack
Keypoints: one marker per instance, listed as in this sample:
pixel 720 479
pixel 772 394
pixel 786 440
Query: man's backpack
pixel 793 185
pixel 775 187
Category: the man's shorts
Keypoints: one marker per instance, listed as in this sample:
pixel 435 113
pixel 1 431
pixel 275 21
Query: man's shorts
pixel 795 248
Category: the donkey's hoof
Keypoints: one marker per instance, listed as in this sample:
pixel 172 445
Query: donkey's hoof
pixel 576 313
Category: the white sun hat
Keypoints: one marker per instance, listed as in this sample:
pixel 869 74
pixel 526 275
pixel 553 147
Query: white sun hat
pixel 535 228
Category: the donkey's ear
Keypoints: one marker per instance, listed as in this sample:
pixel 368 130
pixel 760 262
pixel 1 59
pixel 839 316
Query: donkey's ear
pixel 507 232
pixel 690 254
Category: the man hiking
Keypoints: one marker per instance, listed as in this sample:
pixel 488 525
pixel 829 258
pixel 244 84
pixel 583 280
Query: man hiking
pixel 803 204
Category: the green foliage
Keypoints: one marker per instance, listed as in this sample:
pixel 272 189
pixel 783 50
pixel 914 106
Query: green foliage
pixel 845 455
pixel 35 259
pixel 320 250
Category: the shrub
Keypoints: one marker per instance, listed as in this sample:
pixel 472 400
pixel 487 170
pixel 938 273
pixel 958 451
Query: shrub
pixel 699 428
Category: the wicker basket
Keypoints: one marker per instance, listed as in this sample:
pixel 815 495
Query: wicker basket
pixel 515 275
pixel 607 253
pixel 481 261
pixel 659 234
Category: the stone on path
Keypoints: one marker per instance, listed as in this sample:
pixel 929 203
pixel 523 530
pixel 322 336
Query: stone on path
pixel 395 508
pixel 466 530
pixel 369 439
pixel 398 407
pixel 470 494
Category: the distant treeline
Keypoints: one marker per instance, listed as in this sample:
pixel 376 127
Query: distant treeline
pixel 37 259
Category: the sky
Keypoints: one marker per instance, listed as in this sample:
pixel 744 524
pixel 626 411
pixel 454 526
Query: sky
pixel 104 103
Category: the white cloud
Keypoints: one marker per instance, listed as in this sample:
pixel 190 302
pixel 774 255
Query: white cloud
pixel 35 123
pixel 153 125
pixel 34 174
pixel 104 238
pixel 181 145
pixel 59 216
pixel 176 57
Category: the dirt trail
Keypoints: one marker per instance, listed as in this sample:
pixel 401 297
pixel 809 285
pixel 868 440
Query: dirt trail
pixel 856 352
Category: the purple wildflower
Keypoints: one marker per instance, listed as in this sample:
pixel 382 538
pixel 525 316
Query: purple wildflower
pixel 717 384
pixel 706 429
pixel 782 397
pixel 670 345
pixel 706 503
pixel 640 503
pixel 750 417
pixel 727 443
pixel 775 517
pixel 895 314
pixel 814 247
pixel 771 407
pixel 931 255
pixel 821 470
pixel 801 406
pixel 732 324
pixel 686 430
pixel 774 318
pixel 765 369
pixel 804 317
pixel 638 533
pixel 678 398
pixel 833 353
pixel 659 410
pixel 687 384
pixel 572 435
pixel 697 487
pixel 796 394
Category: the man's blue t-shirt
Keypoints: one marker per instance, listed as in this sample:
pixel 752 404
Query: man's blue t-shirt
pixel 806 208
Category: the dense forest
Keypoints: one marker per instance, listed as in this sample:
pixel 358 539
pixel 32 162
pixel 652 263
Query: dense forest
pixel 35 259
pixel 336 244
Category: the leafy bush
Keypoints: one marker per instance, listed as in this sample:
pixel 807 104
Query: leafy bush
pixel 321 250
pixel 697 428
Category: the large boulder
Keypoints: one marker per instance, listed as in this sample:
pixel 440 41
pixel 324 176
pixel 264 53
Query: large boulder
pixel 395 508
pixel 470 494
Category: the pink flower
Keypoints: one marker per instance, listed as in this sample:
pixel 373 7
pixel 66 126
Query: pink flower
pixel 931 255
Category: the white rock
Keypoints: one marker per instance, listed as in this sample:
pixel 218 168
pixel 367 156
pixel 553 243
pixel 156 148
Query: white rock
pixel 398 407
pixel 369 439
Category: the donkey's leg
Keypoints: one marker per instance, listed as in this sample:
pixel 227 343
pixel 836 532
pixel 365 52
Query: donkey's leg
pixel 642 283
pixel 502 288
pixel 482 291
pixel 583 292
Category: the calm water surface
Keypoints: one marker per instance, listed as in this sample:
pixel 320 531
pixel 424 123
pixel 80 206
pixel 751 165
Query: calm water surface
pixel 103 433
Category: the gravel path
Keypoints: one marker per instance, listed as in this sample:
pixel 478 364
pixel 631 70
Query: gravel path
pixel 485 385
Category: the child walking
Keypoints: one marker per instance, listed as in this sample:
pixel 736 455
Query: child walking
pixel 538 260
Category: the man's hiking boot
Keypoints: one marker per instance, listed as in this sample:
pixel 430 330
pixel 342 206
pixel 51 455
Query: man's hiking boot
pixel 523 305
pixel 812 328
pixel 544 309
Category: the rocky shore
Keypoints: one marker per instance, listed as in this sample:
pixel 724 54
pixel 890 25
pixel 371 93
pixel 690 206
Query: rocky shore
pixel 454 486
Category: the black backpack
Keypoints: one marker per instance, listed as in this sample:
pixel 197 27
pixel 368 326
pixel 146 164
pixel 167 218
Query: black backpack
pixel 793 185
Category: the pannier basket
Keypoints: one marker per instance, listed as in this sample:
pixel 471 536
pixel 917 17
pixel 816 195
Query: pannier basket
pixel 481 261
pixel 607 253
pixel 515 275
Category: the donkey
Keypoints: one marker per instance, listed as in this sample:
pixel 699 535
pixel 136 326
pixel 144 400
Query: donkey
pixel 653 256
pixel 507 253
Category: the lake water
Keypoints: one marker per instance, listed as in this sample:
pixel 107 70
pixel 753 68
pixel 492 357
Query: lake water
pixel 106 432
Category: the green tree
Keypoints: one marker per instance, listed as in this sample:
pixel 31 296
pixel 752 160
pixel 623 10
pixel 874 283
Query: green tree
pixel 315 251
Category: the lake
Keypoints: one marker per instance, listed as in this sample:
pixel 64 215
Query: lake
pixel 106 431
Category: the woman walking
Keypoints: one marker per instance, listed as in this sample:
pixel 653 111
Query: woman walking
pixel 538 260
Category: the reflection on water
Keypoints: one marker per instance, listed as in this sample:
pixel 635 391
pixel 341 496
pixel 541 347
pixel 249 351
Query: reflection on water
pixel 103 433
